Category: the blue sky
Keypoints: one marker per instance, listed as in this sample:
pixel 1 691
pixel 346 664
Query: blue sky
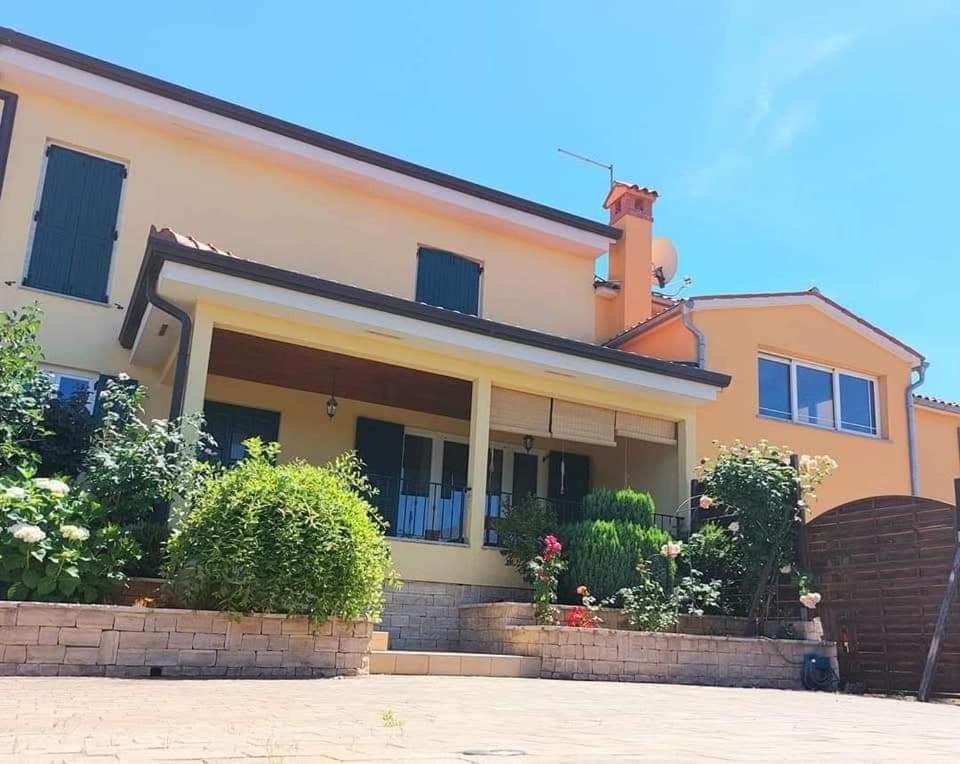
pixel 815 144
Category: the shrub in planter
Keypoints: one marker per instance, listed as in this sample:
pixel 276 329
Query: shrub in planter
pixel 622 504
pixel 715 553
pixel 289 538
pixel 56 545
pixel 603 555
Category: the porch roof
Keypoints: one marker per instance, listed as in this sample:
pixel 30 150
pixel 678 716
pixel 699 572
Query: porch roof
pixel 168 247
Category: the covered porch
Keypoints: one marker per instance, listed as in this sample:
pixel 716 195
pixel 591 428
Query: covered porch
pixel 453 415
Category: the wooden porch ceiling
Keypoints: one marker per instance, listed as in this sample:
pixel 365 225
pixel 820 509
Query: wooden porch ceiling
pixel 255 359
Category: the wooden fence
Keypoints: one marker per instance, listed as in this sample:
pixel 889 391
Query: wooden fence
pixel 881 564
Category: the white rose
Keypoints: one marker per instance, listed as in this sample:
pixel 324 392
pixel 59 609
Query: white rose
pixel 788 568
pixel 15 492
pixel 56 487
pixel 74 532
pixel 734 527
pixel 706 502
pixel 28 534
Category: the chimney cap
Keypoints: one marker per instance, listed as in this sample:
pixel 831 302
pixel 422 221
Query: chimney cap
pixel 619 188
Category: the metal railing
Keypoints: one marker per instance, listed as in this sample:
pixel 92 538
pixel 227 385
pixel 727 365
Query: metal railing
pixel 567 512
pixel 418 509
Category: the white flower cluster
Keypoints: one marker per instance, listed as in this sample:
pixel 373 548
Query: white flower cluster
pixel 28 534
pixel 56 487
pixel 15 492
pixel 74 533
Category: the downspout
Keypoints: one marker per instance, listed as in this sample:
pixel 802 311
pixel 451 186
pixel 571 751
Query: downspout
pixel 921 371
pixel 686 313
pixel 183 351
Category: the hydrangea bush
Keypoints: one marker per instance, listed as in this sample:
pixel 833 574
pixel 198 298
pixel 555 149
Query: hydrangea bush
pixel 57 545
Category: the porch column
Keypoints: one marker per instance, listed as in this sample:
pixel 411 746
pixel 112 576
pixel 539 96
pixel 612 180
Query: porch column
pixel 477 467
pixel 197 365
pixel 686 460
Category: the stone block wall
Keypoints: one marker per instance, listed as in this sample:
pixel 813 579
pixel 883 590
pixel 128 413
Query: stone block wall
pixel 424 615
pixel 38 639
pixel 632 656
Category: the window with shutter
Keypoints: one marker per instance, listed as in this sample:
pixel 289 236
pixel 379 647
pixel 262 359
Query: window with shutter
pixel 448 281
pixel 230 425
pixel 75 224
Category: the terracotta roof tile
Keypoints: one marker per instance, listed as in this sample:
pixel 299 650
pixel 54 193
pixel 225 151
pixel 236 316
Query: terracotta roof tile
pixel 937 403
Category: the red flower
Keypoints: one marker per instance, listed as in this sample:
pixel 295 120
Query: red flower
pixel 579 617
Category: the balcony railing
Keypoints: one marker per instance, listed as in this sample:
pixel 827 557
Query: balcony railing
pixel 417 509
pixel 567 511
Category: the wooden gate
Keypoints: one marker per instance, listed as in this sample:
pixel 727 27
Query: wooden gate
pixel 881 564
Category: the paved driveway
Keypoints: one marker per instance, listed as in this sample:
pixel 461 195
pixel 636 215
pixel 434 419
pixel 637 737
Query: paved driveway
pixel 388 718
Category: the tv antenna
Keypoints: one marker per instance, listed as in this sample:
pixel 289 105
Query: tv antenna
pixel 588 160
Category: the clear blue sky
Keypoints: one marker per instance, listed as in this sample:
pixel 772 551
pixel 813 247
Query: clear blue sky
pixel 815 144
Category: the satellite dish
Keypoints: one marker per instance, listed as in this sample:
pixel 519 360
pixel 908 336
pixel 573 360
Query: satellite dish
pixel 664 266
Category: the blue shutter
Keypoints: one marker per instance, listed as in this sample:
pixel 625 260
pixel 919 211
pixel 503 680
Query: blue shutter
pixel 380 446
pixel 449 281
pixel 230 425
pixel 76 224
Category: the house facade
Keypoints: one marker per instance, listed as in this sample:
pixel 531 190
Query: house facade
pixel 295 286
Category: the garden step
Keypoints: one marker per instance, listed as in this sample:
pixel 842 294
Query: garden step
pixel 422 663
pixel 380 640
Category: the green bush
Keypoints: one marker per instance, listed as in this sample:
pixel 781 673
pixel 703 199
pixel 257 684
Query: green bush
pixel 69 426
pixel 603 555
pixel 520 532
pixel 57 545
pixel 623 504
pixel 290 538
pixel 715 553
pixel 24 390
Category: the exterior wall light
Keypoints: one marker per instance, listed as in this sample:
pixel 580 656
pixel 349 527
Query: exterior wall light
pixel 528 442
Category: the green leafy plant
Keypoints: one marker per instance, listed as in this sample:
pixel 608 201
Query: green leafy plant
pixel 135 466
pixel 768 496
pixel 714 551
pixel 603 555
pixel 24 390
pixel 287 538
pixel 69 427
pixel 651 606
pixel 623 504
pixel 57 544
pixel 521 530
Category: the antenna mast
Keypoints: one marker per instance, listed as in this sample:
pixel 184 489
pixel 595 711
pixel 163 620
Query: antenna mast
pixel 607 167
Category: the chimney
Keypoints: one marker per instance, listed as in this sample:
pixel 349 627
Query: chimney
pixel 631 258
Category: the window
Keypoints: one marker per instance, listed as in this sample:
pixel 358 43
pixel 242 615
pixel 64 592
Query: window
pixel 76 224
pixel 448 281
pixel 73 384
pixel 230 425
pixel 817 395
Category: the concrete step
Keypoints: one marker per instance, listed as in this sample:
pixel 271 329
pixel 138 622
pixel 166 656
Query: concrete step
pixel 422 663
pixel 380 640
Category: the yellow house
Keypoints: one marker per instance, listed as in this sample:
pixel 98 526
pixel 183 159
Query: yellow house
pixel 295 286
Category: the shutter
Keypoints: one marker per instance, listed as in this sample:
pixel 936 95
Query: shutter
pixel 649 428
pixel 96 230
pixel 76 225
pixel 522 413
pixel 584 424
pixel 380 446
pixel 57 219
pixel 230 425
pixel 448 281
pixel 568 477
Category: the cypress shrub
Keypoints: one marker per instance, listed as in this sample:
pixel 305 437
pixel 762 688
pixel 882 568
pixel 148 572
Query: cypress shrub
pixel 623 504
pixel 603 555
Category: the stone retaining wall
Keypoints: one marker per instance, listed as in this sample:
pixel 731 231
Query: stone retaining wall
pixel 38 639
pixel 424 615
pixel 633 656
pixel 617 654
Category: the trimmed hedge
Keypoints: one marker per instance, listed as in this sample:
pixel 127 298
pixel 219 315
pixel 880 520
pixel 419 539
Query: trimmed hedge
pixel 290 538
pixel 603 555
pixel 623 504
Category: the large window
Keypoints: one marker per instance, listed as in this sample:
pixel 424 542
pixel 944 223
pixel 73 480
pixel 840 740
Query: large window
pixel 70 384
pixel 76 225
pixel 448 281
pixel 818 395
